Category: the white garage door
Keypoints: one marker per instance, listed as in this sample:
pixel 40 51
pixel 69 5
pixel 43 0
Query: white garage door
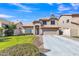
pixel 49 32
pixel 66 32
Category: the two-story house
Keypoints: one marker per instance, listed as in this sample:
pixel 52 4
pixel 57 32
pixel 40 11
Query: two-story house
pixel 69 24
pixel 45 26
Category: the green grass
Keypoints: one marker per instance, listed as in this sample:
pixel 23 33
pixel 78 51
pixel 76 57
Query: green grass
pixel 13 40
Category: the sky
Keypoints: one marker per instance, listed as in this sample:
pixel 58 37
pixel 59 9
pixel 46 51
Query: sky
pixel 28 12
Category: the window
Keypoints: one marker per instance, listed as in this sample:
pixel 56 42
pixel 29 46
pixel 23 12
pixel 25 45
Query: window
pixel 67 21
pixel 44 22
pixel 52 22
pixel 28 30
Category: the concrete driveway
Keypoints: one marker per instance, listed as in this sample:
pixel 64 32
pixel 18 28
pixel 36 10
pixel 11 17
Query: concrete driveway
pixel 60 46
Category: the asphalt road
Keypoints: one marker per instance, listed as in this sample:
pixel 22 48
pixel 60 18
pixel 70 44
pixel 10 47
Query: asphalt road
pixel 60 46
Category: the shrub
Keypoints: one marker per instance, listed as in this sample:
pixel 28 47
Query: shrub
pixel 29 34
pixel 9 32
pixel 21 50
pixel 2 39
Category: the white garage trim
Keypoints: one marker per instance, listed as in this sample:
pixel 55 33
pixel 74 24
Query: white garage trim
pixel 49 32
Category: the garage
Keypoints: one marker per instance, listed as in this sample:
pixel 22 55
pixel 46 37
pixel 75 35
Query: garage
pixel 66 32
pixel 50 32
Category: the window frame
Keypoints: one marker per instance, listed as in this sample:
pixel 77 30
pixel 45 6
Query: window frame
pixel 44 22
pixel 53 22
pixel 28 30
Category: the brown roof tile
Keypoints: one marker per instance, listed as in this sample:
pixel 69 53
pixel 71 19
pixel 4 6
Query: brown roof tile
pixel 44 19
pixel 27 26
pixel 70 15
pixel 35 22
pixel 30 25
pixel 50 27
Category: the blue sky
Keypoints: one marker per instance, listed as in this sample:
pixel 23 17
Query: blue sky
pixel 28 12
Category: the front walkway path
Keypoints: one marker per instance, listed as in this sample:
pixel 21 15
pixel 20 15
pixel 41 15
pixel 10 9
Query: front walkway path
pixel 60 46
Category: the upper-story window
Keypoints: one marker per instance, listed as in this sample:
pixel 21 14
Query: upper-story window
pixel 44 23
pixel 67 21
pixel 52 22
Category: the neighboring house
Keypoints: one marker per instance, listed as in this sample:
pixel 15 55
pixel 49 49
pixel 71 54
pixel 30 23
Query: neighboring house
pixel 69 24
pixel 3 22
pixel 45 26
pixel 18 30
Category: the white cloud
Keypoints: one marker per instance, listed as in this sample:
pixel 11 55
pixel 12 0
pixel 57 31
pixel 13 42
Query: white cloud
pixel 75 5
pixel 59 3
pixel 24 8
pixel 5 16
pixel 20 5
pixel 50 4
pixel 63 8
pixel 54 3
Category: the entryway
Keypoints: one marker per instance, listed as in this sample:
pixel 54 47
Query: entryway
pixel 37 29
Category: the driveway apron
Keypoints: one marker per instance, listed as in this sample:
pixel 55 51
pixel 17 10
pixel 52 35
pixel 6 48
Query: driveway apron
pixel 60 46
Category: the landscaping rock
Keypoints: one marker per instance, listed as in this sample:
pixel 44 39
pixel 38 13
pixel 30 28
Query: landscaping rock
pixel 21 50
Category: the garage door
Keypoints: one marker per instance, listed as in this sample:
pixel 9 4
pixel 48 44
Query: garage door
pixel 66 32
pixel 49 32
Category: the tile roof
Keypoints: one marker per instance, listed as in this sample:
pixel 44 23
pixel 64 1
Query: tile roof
pixel 70 15
pixel 44 19
pixel 51 27
pixel 30 25
pixel 35 22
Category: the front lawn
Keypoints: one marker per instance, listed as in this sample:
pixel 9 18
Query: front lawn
pixel 13 40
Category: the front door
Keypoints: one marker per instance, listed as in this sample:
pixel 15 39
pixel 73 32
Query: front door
pixel 37 29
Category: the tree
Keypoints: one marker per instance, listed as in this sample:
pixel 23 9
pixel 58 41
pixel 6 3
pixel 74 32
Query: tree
pixel 1 31
pixel 9 29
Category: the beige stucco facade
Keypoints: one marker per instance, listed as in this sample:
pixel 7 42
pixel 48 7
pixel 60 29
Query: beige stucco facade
pixel 69 24
pixel 39 28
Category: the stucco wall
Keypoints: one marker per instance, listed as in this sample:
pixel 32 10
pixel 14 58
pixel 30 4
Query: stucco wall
pixel 75 19
pixel 73 27
pixel 63 21
pixel 74 32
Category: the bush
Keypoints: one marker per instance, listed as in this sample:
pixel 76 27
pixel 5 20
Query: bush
pixel 21 50
pixel 28 34
pixel 2 39
pixel 9 32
